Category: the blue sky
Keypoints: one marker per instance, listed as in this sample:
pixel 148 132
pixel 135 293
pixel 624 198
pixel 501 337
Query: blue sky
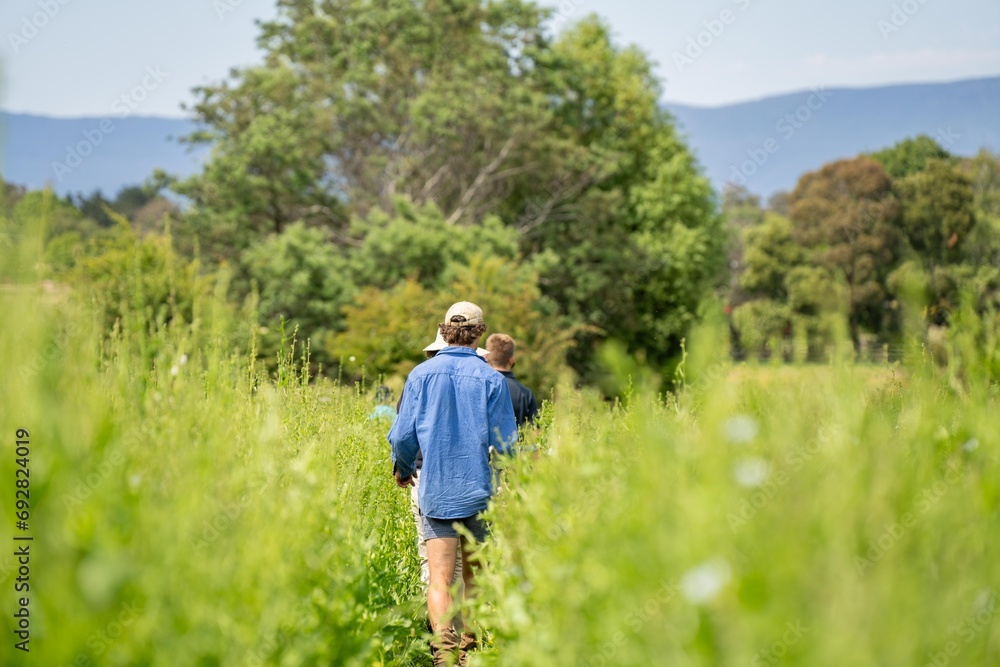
pixel 79 57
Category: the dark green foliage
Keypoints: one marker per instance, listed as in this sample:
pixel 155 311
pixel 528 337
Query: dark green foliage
pixel 300 279
pixel 910 156
pixel 770 254
pixel 938 213
pixel 873 248
pixel 128 202
pixel 418 133
pixel 417 242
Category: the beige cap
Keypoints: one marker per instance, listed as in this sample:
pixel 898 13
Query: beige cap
pixel 464 314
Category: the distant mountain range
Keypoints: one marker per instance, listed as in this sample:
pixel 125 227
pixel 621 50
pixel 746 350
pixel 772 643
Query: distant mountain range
pixel 771 142
pixel 765 144
pixel 87 154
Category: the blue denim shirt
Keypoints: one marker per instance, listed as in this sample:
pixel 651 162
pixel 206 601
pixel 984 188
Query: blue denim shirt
pixel 455 407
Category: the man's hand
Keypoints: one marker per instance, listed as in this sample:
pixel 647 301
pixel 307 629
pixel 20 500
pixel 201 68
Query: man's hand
pixel 403 482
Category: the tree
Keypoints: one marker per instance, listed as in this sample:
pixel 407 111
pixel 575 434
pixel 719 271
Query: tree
pixel 937 212
pixel 140 284
pixel 760 324
pixel 847 218
pixel 643 244
pixel 983 244
pixel 142 205
pixel 910 156
pixel 359 102
pixel 983 171
pixel 467 106
pixel 771 253
pixel 741 210
pixel 301 279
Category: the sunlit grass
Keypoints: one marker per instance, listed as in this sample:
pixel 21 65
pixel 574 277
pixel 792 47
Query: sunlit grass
pixel 189 509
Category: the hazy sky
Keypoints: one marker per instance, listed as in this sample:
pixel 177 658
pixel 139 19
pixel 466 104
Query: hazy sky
pixel 79 57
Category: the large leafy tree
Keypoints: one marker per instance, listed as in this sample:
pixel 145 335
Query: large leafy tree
pixel 360 101
pixel 642 243
pixel 847 218
pixel 467 106
pixel 949 238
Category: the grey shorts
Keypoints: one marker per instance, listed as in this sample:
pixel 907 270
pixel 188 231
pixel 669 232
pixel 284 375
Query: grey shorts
pixel 446 527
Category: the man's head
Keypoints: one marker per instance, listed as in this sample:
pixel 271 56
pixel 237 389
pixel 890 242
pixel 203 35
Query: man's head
pixel 501 348
pixel 463 325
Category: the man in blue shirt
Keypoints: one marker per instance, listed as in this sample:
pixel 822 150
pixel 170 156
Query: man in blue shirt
pixel 454 409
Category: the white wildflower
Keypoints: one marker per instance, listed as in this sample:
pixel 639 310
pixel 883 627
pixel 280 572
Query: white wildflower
pixel 740 429
pixel 751 471
pixel 705 581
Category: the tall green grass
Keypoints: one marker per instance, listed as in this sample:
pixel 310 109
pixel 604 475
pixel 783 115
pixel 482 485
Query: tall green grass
pixel 190 509
pixel 829 515
pixel 186 509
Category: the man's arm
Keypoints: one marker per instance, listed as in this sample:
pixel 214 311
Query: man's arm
pixel 502 425
pixel 532 408
pixel 403 434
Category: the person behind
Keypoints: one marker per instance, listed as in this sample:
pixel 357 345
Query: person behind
pixel 454 408
pixel 501 348
pixel 383 409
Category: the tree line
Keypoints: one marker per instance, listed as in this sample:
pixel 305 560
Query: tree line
pixel 386 159
pixel 882 245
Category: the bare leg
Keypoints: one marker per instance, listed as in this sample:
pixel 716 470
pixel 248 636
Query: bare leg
pixel 468 640
pixel 441 555
pixel 469 569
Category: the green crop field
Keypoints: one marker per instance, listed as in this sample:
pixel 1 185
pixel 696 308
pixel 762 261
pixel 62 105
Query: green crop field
pixel 188 507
